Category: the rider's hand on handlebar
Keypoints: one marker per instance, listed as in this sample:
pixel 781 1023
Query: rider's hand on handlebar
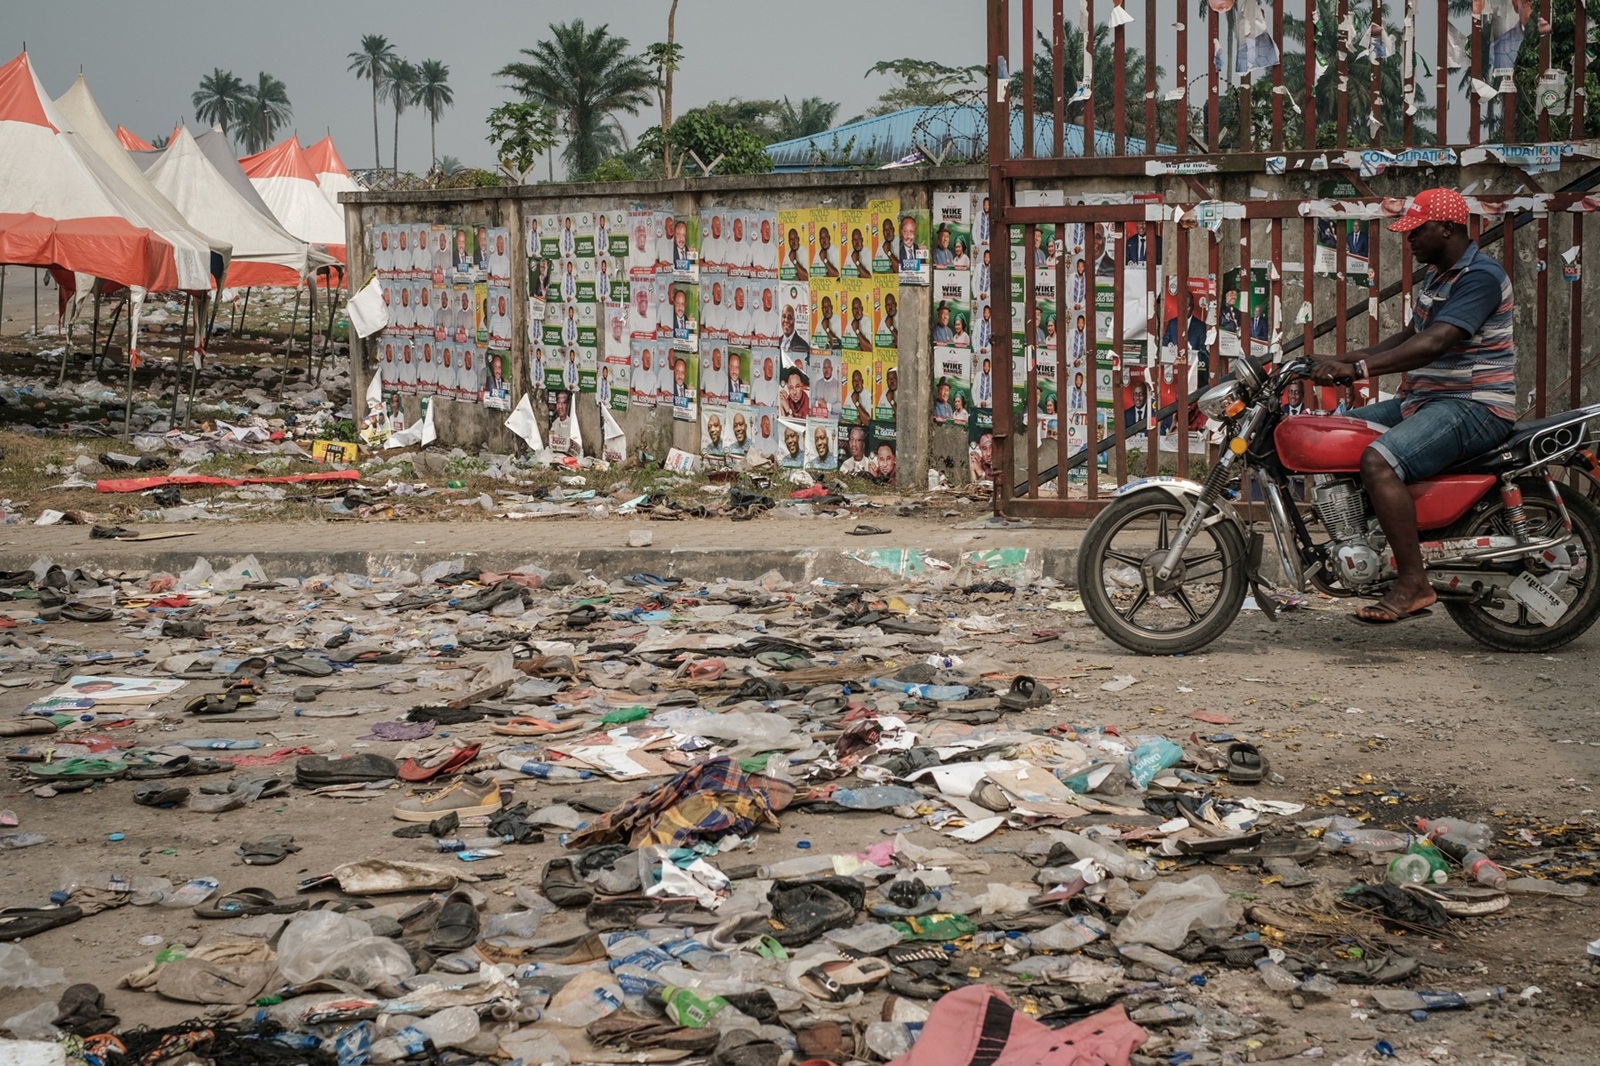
pixel 1333 372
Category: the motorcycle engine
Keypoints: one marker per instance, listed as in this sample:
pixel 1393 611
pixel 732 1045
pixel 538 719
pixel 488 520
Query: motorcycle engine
pixel 1357 554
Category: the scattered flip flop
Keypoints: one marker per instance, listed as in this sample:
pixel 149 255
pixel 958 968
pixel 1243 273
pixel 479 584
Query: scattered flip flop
pixel 532 727
pixel 1025 693
pixel 250 902
pixel 268 851
pixel 865 530
pixel 835 979
pixel 83 769
pixel 1246 764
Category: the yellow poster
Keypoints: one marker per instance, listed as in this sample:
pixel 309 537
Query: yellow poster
pixel 855 232
pixel 883 239
pixel 827 314
pixel 859 309
pixel 855 406
pixel 886 293
pixel 826 255
pixel 795 236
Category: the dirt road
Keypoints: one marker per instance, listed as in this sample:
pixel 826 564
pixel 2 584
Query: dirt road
pixel 1384 724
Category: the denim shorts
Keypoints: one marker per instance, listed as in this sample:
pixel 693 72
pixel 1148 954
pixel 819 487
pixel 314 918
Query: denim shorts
pixel 1436 436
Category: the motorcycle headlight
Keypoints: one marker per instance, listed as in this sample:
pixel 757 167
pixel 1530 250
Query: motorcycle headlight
pixel 1217 399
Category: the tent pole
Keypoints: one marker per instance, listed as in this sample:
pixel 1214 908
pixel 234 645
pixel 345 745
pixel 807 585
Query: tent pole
pixel 288 347
pixel 133 338
pixel 177 369
pixel 35 301
pixel 327 337
pixel 244 312
pixel 111 330
pixel 311 324
pixel 2 301
pixel 194 361
pixel 94 330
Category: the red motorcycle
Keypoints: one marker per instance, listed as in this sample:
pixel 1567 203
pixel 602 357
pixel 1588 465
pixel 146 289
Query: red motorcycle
pixel 1165 567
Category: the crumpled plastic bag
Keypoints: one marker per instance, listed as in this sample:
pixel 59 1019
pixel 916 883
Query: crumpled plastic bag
pixel 1171 911
pixel 324 945
pixel 376 877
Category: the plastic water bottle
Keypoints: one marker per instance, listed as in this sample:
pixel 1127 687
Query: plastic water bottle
pixel 465 844
pixel 937 693
pixel 1275 976
pixel 1477 865
pixel 1476 834
pixel 550 772
pixel 800 866
pixel 1409 869
pixel 1366 840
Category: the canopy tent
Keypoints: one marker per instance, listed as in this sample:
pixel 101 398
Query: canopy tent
pixel 79 108
pixel 286 182
pixel 132 141
pixel 62 207
pixel 214 144
pixel 263 252
pixel 332 174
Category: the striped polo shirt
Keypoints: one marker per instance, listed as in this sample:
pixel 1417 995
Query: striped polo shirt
pixel 1474 295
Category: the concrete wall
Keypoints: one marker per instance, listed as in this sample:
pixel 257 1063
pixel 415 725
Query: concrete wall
pixel 922 444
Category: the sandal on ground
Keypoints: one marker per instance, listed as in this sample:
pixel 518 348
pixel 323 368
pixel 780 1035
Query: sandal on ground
pixel 1246 764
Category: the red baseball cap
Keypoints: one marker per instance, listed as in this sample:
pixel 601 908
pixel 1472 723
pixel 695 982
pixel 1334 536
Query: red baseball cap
pixel 1432 205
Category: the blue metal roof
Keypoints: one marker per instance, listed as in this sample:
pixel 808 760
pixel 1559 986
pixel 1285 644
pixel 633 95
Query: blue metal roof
pixel 956 131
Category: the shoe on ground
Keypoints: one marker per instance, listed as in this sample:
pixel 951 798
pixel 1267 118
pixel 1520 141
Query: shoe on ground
pixel 470 795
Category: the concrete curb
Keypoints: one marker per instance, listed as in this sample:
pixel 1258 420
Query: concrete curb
pixel 877 565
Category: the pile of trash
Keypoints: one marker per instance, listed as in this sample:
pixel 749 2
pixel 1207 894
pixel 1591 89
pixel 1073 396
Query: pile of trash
pixel 636 820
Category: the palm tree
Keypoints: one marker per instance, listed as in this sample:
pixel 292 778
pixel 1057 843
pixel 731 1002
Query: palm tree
pixel 1104 89
pixel 448 165
pixel 400 81
pixel 814 115
pixel 587 77
pixel 265 111
pixel 371 62
pixel 1391 102
pixel 433 95
pixel 219 98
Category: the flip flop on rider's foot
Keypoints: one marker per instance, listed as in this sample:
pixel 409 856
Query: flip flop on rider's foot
pixel 1384 613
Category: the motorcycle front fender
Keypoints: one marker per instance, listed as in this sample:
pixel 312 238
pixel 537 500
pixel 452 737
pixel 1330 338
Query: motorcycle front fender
pixel 1185 492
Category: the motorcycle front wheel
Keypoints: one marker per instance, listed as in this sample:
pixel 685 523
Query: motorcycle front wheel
pixel 1184 613
pixel 1510 626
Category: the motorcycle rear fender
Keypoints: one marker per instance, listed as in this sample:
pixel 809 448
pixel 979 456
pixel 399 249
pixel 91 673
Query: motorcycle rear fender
pixel 1186 492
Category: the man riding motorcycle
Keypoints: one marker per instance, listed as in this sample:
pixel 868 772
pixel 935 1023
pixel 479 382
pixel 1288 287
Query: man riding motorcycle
pixel 1457 395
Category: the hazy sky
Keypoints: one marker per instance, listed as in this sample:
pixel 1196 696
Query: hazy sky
pixel 144 60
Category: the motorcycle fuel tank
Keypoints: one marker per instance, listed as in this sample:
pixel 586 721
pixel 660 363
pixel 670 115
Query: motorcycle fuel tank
pixel 1323 444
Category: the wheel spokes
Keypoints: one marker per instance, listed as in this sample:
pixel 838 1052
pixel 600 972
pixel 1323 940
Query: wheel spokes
pixel 1183 597
pixel 1138 602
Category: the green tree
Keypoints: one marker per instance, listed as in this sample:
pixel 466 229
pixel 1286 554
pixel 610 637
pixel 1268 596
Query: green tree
pixel 1103 90
pixel 370 62
pixel 1358 93
pixel 587 77
pixel 400 81
pixel 448 165
pixel 922 83
pixel 521 133
pixel 1525 75
pixel 814 115
pixel 218 100
pixel 264 111
pixel 726 149
pixel 433 96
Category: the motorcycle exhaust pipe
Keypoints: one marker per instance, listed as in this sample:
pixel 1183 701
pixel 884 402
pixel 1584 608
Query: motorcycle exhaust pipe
pixel 1498 554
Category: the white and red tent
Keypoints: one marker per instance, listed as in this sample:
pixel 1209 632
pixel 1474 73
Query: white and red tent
pixel 286 182
pixel 132 141
pixel 61 207
pixel 77 105
pixel 332 174
pixel 264 253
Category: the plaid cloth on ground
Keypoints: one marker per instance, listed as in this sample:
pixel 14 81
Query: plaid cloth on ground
pixel 703 803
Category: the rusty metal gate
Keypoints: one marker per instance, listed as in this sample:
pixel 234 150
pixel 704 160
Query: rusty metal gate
pixel 1223 188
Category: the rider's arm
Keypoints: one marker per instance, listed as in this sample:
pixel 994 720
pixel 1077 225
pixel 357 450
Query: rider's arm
pixel 1417 350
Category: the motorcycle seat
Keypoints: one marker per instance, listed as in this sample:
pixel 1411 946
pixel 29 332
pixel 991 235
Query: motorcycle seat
pixel 1514 452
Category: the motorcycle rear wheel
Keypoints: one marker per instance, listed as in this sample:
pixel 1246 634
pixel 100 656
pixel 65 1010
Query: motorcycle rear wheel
pixel 1511 627
pixel 1193 609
